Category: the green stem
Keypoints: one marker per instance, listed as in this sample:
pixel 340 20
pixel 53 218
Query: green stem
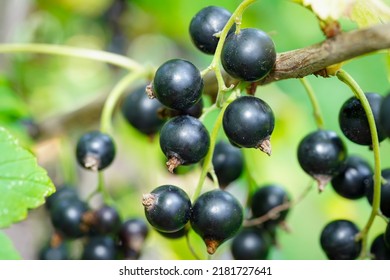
pixel 215 63
pixel 252 183
pixel 207 111
pixel 192 250
pixel 112 99
pixel 103 190
pixel 207 164
pixel 314 102
pixel 98 55
pixel 363 235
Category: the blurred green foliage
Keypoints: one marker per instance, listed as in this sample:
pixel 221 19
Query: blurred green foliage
pixel 152 32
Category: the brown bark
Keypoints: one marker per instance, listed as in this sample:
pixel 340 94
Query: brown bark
pixel 313 59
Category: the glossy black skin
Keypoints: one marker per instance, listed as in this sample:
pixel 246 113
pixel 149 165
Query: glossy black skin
pixel 321 152
pixel 248 121
pixel 353 119
pixel 249 55
pixel 251 244
pixel 205 24
pixel 266 198
pixel 67 217
pixel 62 193
pixel 177 84
pixel 385 192
pixel 185 138
pixel 133 233
pixel 338 240
pixel 384 115
pixel 351 182
pixel 387 235
pixel 100 248
pixel 60 252
pixel 108 220
pixel 171 209
pixel 379 249
pixel 216 215
pixel 99 146
pixel 141 112
pixel 228 163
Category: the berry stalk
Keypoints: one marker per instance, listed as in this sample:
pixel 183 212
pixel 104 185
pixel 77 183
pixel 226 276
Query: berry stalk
pixel 97 55
pixel 215 64
pixel 314 102
pixel 349 81
pixel 117 91
pixel 207 165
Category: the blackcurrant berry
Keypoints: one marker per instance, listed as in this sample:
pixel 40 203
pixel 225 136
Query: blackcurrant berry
pixel 206 24
pixel 216 217
pixel 351 181
pixel 321 155
pixel 251 244
pixel 184 140
pixel 387 235
pixel 167 208
pixel 99 248
pixel 379 249
pixel 67 217
pixel 385 192
pixel 267 198
pixel 132 235
pixel 338 240
pixel 249 55
pixel 249 122
pixel 177 84
pixel 62 193
pixel 353 119
pixel 60 252
pixel 228 163
pixel 95 150
pixel 107 220
pixel 142 112
pixel 384 115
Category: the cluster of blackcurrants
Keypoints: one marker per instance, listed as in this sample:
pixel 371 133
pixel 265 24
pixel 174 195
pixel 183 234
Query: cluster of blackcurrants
pixel 323 155
pixel 103 234
pixel 171 105
pixel 248 122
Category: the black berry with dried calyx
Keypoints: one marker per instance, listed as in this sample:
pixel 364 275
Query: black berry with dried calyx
pixel 95 150
pixel 321 154
pixel 248 122
pixel 216 216
pixel 167 208
pixel 184 140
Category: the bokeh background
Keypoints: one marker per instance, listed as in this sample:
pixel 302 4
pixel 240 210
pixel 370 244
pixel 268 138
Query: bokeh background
pixel 47 89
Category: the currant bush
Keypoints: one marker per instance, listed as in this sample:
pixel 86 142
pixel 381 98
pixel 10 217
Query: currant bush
pixel 202 116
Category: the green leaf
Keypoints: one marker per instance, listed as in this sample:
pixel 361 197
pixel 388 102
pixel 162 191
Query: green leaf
pixel 370 12
pixel 7 250
pixel 23 184
pixel 363 12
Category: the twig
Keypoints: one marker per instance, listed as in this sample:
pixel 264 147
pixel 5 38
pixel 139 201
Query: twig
pixel 311 60
pixel 274 212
